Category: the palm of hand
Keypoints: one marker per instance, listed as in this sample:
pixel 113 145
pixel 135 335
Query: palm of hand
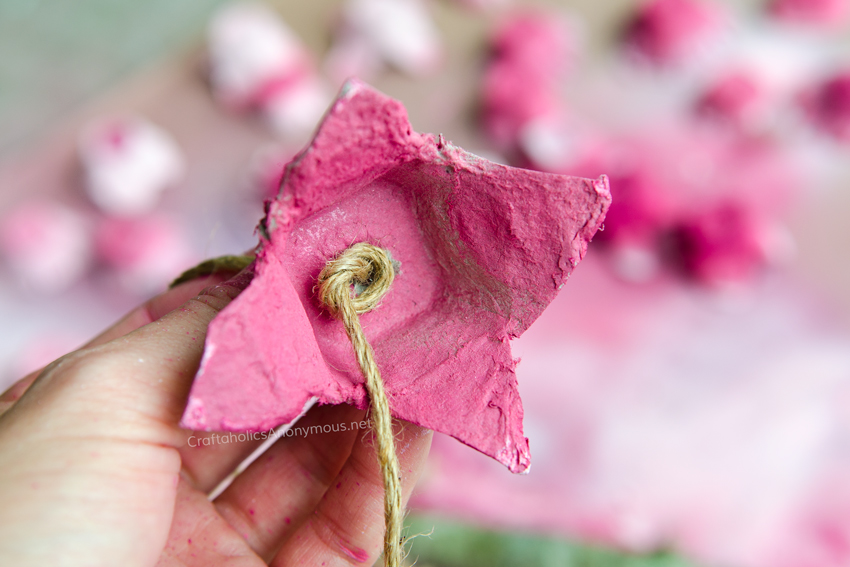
pixel 95 471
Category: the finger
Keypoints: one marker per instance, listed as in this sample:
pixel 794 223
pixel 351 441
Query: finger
pixel 273 495
pixel 137 383
pixel 157 307
pixel 17 390
pixel 209 457
pixel 348 524
pixel 146 313
pixel 166 354
pixel 199 537
pixel 204 464
pixel 282 488
pixel 99 430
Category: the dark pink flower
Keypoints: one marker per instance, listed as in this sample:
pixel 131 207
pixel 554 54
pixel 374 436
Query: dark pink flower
pixel 666 31
pixel 812 12
pixel 828 106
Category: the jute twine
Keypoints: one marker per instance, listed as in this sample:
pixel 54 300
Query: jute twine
pixel 368 271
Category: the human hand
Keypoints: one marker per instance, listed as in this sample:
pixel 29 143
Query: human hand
pixel 95 471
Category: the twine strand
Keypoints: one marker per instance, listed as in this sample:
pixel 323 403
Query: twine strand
pixel 370 271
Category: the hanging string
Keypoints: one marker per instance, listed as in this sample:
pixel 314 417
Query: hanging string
pixel 368 272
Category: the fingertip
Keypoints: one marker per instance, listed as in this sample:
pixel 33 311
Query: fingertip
pixel 413 443
pixel 18 389
pixel 182 329
pixel 218 296
pixel 173 298
pixel 157 307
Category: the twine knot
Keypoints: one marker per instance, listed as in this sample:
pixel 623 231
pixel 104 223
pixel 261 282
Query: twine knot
pixel 368 272
pixel 366 268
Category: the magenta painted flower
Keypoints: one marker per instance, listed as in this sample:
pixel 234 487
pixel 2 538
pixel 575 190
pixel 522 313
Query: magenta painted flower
pixel 482 249
pixel 668 31
pixel 530 55
pixel 828 106
pixel 828 13
pixel 728 243
pixel 737 98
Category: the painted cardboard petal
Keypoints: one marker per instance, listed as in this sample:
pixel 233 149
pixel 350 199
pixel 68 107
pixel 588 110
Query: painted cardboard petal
pixel 483 248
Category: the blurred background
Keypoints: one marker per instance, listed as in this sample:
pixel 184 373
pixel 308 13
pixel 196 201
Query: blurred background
pixel 687 396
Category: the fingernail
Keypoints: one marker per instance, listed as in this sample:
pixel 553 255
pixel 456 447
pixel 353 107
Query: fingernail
pixel 241 280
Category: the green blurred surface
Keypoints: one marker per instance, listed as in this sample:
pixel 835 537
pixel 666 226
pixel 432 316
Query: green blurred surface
pixel 55 55
pixel 454 544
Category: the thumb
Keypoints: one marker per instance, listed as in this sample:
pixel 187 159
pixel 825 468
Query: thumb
pixel 166 353
pixel 149 311
pixel 136 384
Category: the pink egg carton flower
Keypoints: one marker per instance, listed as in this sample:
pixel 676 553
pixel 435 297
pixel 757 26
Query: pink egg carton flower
pixel 46 245
pixel 294 112
pixel 127 164
pixel 482 249
pixel 252 54
pixel 754 84
pixel 728 243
